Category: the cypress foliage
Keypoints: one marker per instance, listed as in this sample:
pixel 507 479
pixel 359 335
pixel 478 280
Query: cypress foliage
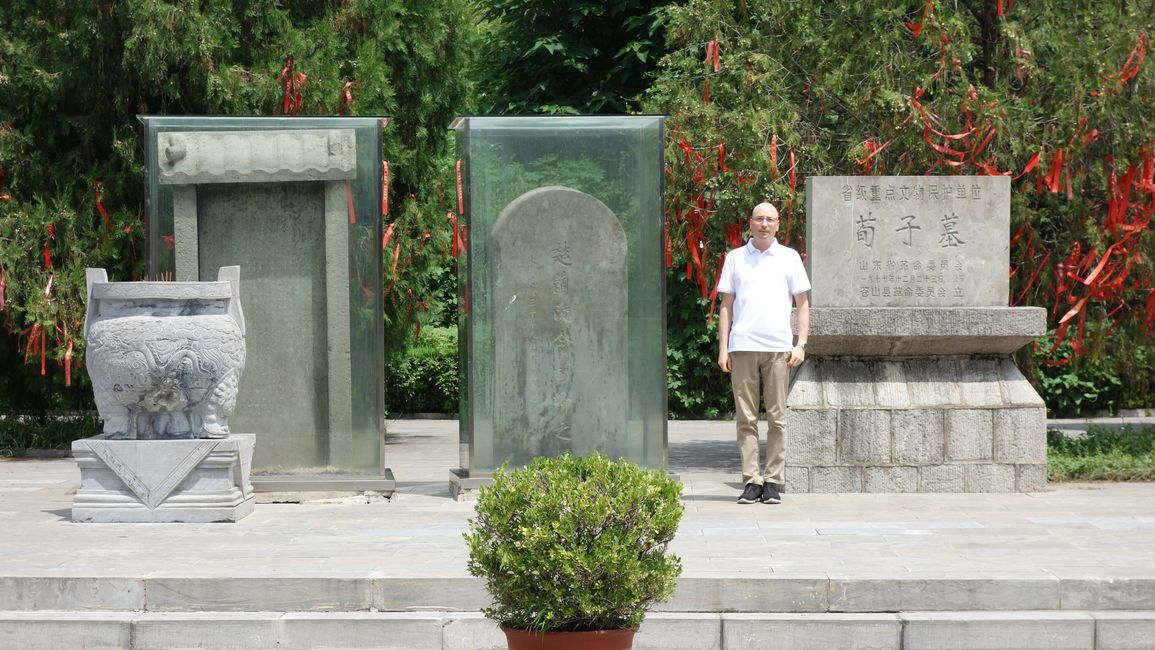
pixel 74 76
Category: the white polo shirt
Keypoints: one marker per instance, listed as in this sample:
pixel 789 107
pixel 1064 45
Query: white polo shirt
pixel 763 284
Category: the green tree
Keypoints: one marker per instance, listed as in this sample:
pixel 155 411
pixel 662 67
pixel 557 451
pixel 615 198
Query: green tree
pixel 73 77
pixel 574 56
pixel 763 93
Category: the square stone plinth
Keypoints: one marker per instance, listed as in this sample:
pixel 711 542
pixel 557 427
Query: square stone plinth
pixel 155 481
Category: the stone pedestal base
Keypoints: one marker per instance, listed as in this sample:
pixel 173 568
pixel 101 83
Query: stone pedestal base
pixel 946 424
pixel 196 481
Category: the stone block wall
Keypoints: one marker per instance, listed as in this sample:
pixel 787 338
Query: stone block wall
pixel 939 424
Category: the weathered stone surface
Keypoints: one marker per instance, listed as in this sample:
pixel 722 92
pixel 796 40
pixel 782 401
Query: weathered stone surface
pixel 811 437
pixel 747 594
pixel 797 478
pixel 1108 593
pixel 1003 630
pixel 51 631
pixel 890 479
pixel 933 382
pixel 922 331
pixel 848 383
pixel 919 436
pixel 895 594
pixel 890 387
pixel 835 479
pixel 285 388
pixel 1020 435
pixel 560 326
pixel 237 630
pixel 811 631
pixel 70 593
pixel 397 631
pixel 979 382
pixel 260 594
pixel 990 478
pixel 970 434
pixel 1030 478
pixel 864 436
pixel 806 387
pixel 472 631
pixel 908 241
pixel 165 358
pixel 942 478
pixel 195 157
pixel 1017 391
pixel 661 631
pixel 164 480
pixel 1124 630
pixel 396 594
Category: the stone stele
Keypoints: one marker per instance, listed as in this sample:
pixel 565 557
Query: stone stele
pixel 908 241
pixel 560 326
pixel 165 360
pixel 909 385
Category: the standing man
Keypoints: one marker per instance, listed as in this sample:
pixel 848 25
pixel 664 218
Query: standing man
pixel 757 348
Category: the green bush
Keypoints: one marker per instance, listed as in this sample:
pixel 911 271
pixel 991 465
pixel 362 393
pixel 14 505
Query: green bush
pixel 571 544
pixel 1102 455
pixel 425 379
pixel 19 433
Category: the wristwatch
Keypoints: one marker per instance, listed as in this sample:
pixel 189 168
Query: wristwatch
pixel 802 344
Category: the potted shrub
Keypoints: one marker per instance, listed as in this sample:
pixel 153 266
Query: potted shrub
pixel 573 550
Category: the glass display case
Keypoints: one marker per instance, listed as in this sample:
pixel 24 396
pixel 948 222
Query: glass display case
pixel 561 272
pixel 296 203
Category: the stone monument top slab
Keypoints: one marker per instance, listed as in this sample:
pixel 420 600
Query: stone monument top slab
pixel 908 241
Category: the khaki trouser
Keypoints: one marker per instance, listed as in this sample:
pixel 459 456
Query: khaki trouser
pixel 747 371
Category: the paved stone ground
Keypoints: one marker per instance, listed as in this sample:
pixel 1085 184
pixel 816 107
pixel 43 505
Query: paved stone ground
pixel 1072 566
pixel 1066 531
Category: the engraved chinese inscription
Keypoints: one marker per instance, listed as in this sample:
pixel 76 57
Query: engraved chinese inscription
pixel 560 351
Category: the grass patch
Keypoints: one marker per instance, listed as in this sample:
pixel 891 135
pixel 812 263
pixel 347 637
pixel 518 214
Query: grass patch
pixel 19 433
pixel 1102 455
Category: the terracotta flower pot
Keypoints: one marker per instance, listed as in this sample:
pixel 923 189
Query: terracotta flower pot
pixel 592 640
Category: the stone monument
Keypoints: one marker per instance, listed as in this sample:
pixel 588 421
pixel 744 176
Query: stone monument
pixel 560 325
pixel 909 385
pixel 561 280
pixel 165 360
pixel 297 203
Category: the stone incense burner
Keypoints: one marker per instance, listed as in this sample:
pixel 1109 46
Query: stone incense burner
pixel 165 358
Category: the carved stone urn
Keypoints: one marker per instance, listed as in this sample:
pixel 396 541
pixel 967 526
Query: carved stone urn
pixel 165 358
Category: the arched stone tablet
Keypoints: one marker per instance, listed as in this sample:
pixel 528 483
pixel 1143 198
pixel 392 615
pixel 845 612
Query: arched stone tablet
pixel 560 354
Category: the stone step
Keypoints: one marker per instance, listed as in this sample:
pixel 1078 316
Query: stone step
pixel 819 593
pixel 1007 630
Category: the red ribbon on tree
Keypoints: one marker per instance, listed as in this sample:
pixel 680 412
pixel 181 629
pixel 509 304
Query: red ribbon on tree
pixel 346 99
pixel 1129 70
pixel 712 55
pixel 293 84
pixel 68 364
pixel 388 234
pixel 792 176
pixel 48 247
pixel 460 195
pixel 916 28
pixel 774 153
pixel 98 187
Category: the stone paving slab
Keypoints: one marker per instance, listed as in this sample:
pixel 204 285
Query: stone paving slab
pixel 1068 547
pixel 1009 630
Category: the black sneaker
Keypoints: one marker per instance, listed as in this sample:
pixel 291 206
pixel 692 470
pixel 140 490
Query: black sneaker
pixel 770 493
pixel 751 493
